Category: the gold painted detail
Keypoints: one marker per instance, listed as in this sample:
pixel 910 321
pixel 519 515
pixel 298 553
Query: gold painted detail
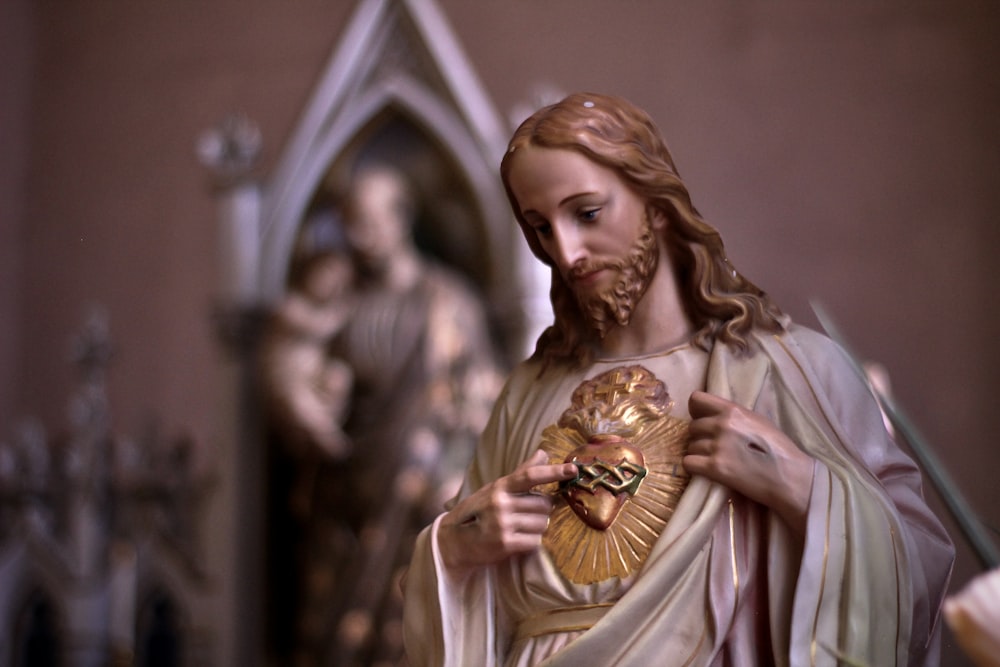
pixel 618 478
pixel 596 499
pixel 628 449
pixel 561 619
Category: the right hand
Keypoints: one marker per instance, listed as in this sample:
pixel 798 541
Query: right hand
pixel 502 519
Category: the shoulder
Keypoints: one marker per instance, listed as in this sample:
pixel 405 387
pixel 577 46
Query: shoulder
pixel 525 376
pixel 803 345
pixel 824 356
pixel 447 282
pixel 800 353
pixel 533 387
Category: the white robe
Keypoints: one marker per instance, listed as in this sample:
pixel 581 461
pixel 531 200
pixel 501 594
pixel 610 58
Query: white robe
pixel 726 583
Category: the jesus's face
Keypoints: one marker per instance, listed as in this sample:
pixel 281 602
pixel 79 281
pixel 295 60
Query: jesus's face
pixel 593 227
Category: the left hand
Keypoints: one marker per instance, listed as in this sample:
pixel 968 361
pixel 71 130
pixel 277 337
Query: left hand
pixel 749 454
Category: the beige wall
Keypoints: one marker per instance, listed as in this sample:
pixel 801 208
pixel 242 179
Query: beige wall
pixel 846 150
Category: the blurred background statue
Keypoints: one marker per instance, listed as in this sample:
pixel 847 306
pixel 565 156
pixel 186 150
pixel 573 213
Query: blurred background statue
pixel 380 375
pixel 309 390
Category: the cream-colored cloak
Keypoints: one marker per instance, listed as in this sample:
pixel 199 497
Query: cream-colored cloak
pixel 726 583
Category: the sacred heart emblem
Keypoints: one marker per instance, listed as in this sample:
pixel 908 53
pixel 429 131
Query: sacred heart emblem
pixel 610 470
pixel 619 434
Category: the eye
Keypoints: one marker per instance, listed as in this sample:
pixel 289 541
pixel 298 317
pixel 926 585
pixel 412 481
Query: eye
pixel 542 229
pixel 588 214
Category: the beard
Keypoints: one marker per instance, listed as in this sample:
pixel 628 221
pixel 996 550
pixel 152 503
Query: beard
pixel 615 305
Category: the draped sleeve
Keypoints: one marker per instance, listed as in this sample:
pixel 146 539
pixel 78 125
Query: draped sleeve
pixel 453 622
pixel 876 561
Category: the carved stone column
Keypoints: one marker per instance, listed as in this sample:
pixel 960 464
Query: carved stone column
pixel 230 151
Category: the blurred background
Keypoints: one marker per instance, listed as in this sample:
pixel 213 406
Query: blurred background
pixel 846 151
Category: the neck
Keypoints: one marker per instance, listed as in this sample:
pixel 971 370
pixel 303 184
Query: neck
pixel 658 323
pixel 399 273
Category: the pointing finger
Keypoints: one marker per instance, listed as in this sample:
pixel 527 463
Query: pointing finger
pixel 528 478
pixel 537 471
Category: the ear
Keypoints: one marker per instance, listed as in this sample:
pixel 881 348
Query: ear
pixel 658 220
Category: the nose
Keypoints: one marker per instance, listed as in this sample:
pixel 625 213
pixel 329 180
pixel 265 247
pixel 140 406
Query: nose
pixel 567 246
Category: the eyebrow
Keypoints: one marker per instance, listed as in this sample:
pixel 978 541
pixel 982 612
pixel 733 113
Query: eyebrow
pixel 562 203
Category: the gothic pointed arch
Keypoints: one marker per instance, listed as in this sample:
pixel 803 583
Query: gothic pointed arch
pixel 399 74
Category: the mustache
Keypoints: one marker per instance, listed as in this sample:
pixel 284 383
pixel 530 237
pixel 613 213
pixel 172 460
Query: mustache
pixel 586 267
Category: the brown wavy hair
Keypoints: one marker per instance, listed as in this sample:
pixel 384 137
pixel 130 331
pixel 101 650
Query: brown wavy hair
pixel 723 305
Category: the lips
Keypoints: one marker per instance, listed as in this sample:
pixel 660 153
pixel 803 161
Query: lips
pixel 588 278
pixel 588 274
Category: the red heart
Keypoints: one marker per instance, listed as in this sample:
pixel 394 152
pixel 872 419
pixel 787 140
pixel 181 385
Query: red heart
pixel 591 500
